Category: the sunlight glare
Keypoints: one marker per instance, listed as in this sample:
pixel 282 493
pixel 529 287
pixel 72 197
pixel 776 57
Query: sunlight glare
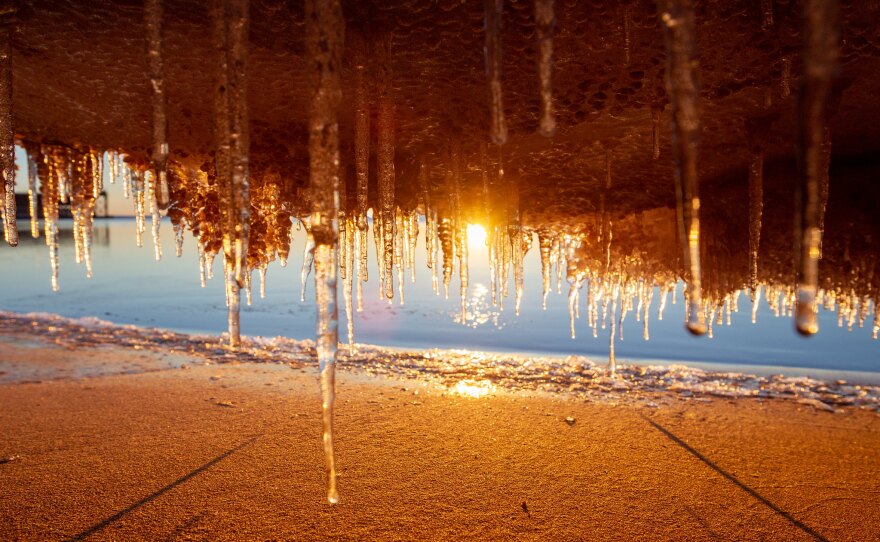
pixel 476 234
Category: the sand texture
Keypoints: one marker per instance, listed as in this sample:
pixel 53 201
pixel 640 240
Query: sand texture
pixel 145 450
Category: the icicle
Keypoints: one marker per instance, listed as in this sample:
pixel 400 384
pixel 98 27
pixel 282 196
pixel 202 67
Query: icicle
pixel 430 248
pixel 209 264
pixel 126 181
pixel 756 206
pixel 755 303
pixel 612 361
pixel 664 293
pixel 435 243
pixel 574 287
pixel 399 257
pixel 413 235
pixel 362 169
pixel 325 28
pixel 385 160
pixel 363 271
pixel 506 258
pixel 64 176
pixel 49 188
pixel 308 261
pixel 247 288
pixel 459 228
pixel 97 160
pixel 138 197
pixel 360 249
pixel 647 305
pixel 362 135
pixel 233 303
pixel 156 217
pixel 683 88
pixel 492 28
pixel 230 26
pixel 824 180
pixel 87 207
pixel 518 256
pixel 263 282
pixel 32 194
pixel 560 265
pixel 545 244
pixel 159 156
pixel 178 239
pixel 711 321
pixel 821 65
pixel 640 294
pixel 545 23
pixel 7 131
pixel 203 266
pixel 463 270
pixel 875 330
pixel 350 227
pixel 727 308
pixel 113 160
pixel 379 242
pixel 447 242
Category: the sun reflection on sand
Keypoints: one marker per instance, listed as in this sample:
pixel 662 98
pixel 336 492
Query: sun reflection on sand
pixel 473 388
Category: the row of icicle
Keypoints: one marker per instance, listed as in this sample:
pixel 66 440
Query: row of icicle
pixel 75 176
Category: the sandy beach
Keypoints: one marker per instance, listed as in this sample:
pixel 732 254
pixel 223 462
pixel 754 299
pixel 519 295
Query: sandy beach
pixel 157 446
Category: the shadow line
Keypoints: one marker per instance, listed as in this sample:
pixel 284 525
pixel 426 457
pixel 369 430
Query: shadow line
pixel 794 521
pixel 158 493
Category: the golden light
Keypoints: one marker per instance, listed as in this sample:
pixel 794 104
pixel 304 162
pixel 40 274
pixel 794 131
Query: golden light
pixel 476 234
pixel 473 388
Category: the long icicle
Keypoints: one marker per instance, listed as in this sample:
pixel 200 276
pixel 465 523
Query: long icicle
pixel 49 189
pixel 492 27
pixel 221 161
pixel 32 194
pixel 239 140
pixel 230 23
pixel 821 65
pixel 362 164
pixel 545 23
pixel 325 28
pixel 308 260
pixel 385 159
pixel 460 229
pixel 756 208
pixel 159 155
pixel 682 81
pixel 348 279
pixel 7 132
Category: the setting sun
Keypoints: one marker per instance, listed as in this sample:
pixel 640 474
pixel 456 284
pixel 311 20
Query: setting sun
pixel 476 234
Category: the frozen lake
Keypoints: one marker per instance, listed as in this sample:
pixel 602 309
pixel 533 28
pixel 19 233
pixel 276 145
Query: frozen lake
pixel 130 287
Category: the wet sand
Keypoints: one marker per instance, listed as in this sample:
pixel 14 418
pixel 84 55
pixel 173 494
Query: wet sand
pixel 146 450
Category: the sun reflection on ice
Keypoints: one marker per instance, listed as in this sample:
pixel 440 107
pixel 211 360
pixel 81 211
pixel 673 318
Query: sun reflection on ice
pixel 473 388
pixel 480 310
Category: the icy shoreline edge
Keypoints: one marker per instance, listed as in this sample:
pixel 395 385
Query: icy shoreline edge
pixel 572 376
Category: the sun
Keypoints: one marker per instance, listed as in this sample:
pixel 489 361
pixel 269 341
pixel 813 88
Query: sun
pixel 476 234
